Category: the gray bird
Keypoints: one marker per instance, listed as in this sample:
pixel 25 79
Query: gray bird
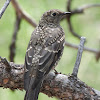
pixel 44 50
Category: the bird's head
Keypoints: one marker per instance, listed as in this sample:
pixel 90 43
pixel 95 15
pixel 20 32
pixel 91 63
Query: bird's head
pixel 53 16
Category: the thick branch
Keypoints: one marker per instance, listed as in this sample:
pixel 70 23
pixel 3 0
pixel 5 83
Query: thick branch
pixel 13 42
pixel 61 86
pixel 4 7
pixel 23 14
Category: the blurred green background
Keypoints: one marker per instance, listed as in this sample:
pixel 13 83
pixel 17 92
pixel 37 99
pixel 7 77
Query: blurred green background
pixel 87 25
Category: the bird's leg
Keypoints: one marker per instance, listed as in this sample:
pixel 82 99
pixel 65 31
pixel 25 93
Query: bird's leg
pixel 57 72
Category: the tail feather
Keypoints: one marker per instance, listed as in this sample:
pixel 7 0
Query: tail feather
pixel 33 86
pixel 32 94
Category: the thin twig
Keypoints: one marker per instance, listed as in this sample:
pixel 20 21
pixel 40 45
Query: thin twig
pixel 13 43
pixel 85 48
pixel 84 7
pixel 98 56
pixel 77 11
pixel 4 8
pixel 68 8
pixel 71 28
pixel 23 14
pixel 69 5
pixel 79 56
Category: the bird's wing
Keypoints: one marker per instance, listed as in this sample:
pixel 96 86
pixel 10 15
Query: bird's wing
pixel 30 52
pixel 51 54
pixel 27 65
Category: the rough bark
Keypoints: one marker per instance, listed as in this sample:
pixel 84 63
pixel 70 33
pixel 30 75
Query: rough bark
pixel 65 87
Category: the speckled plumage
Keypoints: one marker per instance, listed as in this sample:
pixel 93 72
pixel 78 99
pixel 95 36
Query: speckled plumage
pixel 44 51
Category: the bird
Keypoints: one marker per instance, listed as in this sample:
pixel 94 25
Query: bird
pixel 44 50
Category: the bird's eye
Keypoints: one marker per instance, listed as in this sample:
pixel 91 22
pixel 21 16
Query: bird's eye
pixel 54 14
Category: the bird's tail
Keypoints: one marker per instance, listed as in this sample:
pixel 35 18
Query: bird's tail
pixel 34 86
pixel 32 93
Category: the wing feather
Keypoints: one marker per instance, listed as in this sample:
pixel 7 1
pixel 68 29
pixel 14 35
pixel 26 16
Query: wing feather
pixel 49 56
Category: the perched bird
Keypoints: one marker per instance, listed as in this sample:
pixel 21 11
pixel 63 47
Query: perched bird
pixel 44 51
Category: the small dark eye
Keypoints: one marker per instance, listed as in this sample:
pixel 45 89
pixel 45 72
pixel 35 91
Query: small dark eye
pixel 54 14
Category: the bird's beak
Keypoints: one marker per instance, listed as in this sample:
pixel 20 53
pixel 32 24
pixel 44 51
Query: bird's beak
pixel 67 13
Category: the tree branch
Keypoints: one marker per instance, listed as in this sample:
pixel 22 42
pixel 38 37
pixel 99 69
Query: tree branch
pixel 77 11
pixel 4 8
pixel 61 86
pixel 13 42
pixel 23 14
pixel 4 61
pixel 71 27
pixel 96 52
pixel 84 7
pixel 68 8
pixel 79 56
